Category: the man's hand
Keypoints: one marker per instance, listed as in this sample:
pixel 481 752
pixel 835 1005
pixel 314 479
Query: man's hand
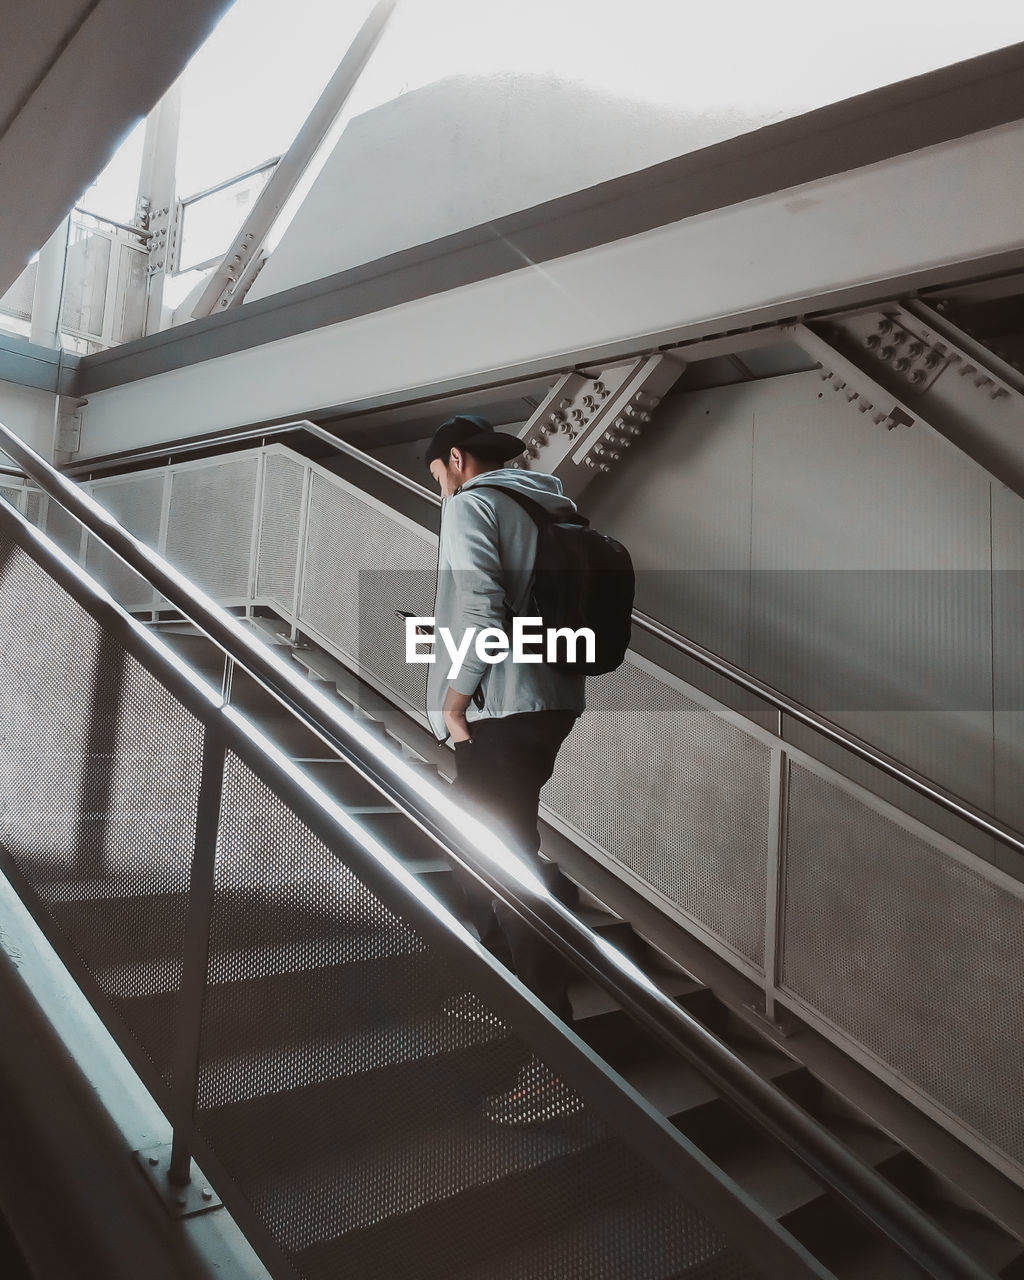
pixel 454 711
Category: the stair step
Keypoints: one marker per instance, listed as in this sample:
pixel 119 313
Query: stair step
pixel 982 1239
pixel 454 1060
pixel 341 781
pixel 589 1000
pixel 597 1225
pixel 401 1169
pixel 264 1014
pixel 848 1248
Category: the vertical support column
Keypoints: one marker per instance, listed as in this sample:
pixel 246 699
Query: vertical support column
pixel 775 888
pixel 257 532
pixel 300 551
pixel 157 206
pixel 195 960
pixel 165 520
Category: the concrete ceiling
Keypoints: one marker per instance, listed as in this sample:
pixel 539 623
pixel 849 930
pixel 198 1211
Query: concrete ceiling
pixel 74 77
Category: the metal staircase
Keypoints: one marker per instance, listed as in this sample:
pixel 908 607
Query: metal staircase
pixel 269 957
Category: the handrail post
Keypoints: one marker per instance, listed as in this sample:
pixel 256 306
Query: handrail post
pixel 195 956
pixel 776 881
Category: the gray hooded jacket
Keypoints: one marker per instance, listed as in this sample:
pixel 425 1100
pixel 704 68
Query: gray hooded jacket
pixel 486 555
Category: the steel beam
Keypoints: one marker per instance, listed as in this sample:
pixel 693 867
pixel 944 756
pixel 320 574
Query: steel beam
pixel 226 283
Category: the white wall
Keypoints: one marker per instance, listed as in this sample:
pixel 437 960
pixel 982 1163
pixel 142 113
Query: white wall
pixel 29 413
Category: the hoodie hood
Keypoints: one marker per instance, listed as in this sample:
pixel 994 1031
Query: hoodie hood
pixel 542 488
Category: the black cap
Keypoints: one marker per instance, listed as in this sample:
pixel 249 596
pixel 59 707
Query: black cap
pixel 468 431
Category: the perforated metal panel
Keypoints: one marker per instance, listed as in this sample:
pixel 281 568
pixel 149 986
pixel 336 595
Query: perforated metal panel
pixel 348 1104
pixel 279 529
pixel 33 505
pixel 98 774
pixel 64 529
pixel 361 565
pixel 135 503
pixel 12 494
pixel 675 794
pixel 909 953
pixel 210 525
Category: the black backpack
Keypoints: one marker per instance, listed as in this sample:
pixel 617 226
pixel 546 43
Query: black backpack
pixel 582 578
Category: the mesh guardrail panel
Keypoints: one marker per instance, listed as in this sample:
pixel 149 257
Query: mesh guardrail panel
pixel 63 528
pixel 215 556
pixel 361 565
pixel 676 795
pixel 909 952
pixel 136 503
pixel 283 480
pixel 99 773
pixel 344 1073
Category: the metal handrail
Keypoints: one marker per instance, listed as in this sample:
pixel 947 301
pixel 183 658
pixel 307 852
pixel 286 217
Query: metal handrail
pixel 887 764
pixel 261 434
pixel 797 711
pixel 142 232
pixel 865 1190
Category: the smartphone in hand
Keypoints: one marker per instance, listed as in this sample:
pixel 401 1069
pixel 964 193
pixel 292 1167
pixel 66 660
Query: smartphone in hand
pixel 402 614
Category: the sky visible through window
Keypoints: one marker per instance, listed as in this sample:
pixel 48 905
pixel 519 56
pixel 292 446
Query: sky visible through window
pixel 248 89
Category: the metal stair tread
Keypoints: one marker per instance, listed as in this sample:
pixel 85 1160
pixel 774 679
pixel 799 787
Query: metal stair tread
pixel 259 1013
pixel 280 1082
pixel 983 1240
pixel 596 1238
pixel 605 1238
pixel 398 1173
pixel 590 1000
pixel 766 1172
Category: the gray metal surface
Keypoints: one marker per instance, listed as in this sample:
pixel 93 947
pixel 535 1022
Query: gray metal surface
pixel 220 563
pixel 913 954
pixel 135 502
pixel 280 527
pixel 676 796
pixel 1008 672
pixel 361 564
pixel 848 565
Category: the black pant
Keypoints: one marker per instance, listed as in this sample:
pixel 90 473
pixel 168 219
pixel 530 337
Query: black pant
pixel 500 772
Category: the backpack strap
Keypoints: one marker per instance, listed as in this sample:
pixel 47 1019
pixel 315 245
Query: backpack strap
pixel 537 513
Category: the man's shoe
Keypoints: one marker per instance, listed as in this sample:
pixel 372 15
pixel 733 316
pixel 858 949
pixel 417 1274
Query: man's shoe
pixel 537 1096
pixel 468 1007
